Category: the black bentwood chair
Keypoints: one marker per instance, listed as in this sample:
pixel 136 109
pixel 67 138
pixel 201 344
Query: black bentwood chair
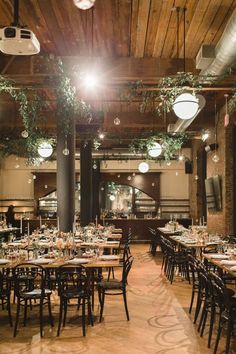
pixel 29 284
pixel 5 293
pixel 115 287
pixel 74 283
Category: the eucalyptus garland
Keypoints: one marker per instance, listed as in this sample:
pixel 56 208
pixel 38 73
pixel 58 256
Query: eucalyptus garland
pixel 69 107
pixel 171 144
pixel 163 95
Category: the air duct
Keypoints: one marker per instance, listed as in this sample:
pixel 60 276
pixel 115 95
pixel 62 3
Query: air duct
pixel 225 56
pixel 225 50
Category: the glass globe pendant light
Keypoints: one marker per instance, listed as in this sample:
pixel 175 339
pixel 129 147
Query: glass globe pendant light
pixel 155 150
pixel 45 149
pixel 84 4
pixel 143 167
pixel 186 106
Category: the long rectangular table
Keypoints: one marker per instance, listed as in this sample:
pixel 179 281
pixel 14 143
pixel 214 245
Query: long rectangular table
pixel 218 264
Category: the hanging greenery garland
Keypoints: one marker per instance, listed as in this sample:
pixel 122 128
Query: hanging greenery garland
pixel 31 108
pixel 171 144
pixel 69 107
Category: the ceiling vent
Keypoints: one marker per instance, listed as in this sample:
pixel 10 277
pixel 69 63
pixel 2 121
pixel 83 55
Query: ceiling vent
pixel 205 56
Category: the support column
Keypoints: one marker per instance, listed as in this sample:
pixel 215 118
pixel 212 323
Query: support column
pixel 96 190
pixel 66 179
pixel 85 183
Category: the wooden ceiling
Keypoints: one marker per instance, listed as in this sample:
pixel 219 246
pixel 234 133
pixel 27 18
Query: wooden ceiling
pixel 122 39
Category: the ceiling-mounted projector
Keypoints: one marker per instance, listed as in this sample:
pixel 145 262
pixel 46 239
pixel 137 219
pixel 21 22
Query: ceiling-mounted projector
pixel 15 40
pixel 18 41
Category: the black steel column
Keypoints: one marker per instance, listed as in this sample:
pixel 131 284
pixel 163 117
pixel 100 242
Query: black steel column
pixel 96 190
pixel 66 179
pixel 85 183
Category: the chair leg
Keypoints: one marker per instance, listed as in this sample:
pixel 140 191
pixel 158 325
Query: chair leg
pixel 60 317
pixel 198 307
pixel 192 299
pixel 9 311
pixel 65 312
pixel 212 319
pixel 217 338
pixel 126 306
pixel 90 314
pixel 83 317
pixel 228 336
pixel 25 312
pixel 50 312
pixel 102 304
pixel 17 317
pixel 41 317
pixel 202 317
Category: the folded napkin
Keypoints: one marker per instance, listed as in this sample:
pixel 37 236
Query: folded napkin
pixel 228 262
pixel 78 261
pixel 217 256
pixel 233 268
pixel 109 257
pixel 4 261
pixel 112 242
pixel 42 261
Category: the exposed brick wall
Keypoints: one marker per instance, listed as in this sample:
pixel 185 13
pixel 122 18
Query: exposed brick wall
pixel 222 221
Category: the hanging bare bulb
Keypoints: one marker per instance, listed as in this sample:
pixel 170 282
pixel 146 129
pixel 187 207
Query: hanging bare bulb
pixel 215 158
pixel 24 134
pixel 129 178
pixel 95 165
pixel 196 177
pixel 117 121
pixel 66 151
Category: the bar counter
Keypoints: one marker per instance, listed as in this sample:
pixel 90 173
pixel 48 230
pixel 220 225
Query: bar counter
pixel 140 227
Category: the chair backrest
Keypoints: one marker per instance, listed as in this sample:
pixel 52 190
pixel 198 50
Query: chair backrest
pixel 126 269
pixel 71 278
pixel 28 277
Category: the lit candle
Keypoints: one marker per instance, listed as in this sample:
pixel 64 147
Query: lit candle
pixel 28 229
pixel 40 221
pixel 96 221
pixel 203 221
pixel 21 224
pixel 200 222
pixel 192 221
pixel 58 224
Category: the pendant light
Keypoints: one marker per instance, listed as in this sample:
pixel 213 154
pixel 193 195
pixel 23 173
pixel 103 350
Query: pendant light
pixel 215 157
pixel 185 105
pixel 155 150
pixel 143 167
pixel 45 149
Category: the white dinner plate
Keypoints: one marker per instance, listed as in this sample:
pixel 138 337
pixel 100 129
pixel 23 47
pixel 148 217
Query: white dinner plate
pixel 4 261
pixel 109 257
pixel 218 256
pixel 78 261
pixel 228 262
pixel 233 268
pixel 42 261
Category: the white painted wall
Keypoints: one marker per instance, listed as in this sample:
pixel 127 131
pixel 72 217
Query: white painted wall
pixel 14 179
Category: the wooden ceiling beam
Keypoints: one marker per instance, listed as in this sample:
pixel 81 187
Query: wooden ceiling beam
pixel 32 70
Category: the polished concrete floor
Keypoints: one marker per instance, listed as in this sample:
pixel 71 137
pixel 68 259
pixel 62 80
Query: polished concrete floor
pixel 159 322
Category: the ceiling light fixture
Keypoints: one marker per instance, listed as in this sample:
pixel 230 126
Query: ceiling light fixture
pixel 205 135
pixel 155 150
pixel 45 149
pixel 84 4
pixel 143 167
pixel 185 105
